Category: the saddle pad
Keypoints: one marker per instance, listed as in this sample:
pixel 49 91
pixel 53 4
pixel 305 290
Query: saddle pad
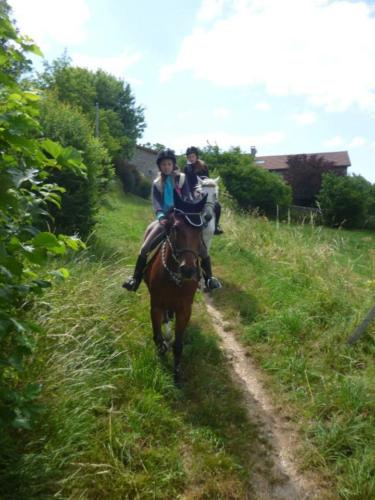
pixel 153 252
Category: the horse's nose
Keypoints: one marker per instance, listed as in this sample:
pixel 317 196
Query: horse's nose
pixel 187 271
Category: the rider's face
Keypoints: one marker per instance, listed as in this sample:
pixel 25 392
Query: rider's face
pixel 166 166
pixel 192 158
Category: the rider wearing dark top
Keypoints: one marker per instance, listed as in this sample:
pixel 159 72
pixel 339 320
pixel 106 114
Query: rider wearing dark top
pixel 194 168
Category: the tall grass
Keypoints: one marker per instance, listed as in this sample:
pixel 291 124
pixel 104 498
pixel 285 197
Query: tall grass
pixel 295 293
pixel 113 425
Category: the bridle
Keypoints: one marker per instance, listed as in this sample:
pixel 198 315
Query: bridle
pixel 177 253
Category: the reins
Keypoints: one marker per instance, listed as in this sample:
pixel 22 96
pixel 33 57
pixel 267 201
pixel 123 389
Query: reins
pixel 175 253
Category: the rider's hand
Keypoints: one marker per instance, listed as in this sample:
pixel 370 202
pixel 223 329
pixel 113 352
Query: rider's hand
pixel 163 221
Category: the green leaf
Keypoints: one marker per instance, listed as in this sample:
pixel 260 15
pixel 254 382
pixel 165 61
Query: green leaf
pixel 46 240
pixel 31 96
pixel 52 148
pixel 61 273
pixel 37 256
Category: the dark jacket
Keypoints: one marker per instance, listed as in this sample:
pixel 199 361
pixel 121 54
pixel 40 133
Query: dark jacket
pixel 193 170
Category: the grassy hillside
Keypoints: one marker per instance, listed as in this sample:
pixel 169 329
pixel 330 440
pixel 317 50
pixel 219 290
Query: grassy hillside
pixel 113 424
pixel 294 294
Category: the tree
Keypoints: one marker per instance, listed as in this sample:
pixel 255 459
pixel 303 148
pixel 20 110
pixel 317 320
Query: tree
pixel 305 177
pixel 121 120
pixel 345 200
pixel 71 127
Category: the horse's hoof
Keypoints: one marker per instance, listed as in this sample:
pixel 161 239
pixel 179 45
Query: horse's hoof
pixel 163 348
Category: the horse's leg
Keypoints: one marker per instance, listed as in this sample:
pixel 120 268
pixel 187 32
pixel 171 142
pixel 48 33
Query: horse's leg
pixel 167 324
pixel 182 319
pixel 157 316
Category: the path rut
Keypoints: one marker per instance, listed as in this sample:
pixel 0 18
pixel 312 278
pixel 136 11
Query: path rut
pixel 284 480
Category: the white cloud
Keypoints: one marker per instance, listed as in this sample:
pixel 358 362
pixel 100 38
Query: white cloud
pixel 46 20
pixel 335 141
pixel 221 113
pixel 263 106
pixel 306 118
pixel 210 9
pixel 321 49
pixel 357 141
pixel 116 65
pixel 223 140
pixel 339 141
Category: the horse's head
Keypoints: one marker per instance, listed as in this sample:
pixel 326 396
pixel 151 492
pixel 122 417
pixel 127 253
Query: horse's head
pixel 184 231
pixel 209 187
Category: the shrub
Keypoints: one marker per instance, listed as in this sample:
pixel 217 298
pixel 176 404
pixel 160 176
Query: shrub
pixel 345 201
pixel 255 188
pixel 132 180
pixel 25 191
pixel 68 125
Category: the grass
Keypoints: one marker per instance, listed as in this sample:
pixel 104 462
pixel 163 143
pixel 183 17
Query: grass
pixel 295 294
pixel 113 424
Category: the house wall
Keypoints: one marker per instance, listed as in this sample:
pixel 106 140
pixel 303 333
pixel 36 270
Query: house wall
pixel 145 161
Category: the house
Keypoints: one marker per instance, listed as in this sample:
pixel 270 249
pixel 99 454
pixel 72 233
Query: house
pixel 144 159
pixel 279 165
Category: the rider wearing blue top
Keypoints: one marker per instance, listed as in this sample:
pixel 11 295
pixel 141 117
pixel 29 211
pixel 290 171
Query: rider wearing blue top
pixel 168 181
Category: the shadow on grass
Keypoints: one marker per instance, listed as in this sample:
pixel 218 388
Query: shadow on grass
pixel 210 400
pixel 232 297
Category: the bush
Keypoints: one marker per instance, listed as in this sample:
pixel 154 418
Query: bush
pixel 68 125
pixel 25 191
pixel 346 201
pixel 255 188
pixel 132 180
pixel 144 188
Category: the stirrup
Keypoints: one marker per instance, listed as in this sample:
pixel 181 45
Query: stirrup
pixel 213 283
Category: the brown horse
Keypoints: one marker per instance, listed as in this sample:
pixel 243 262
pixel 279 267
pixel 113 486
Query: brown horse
pixel 173 275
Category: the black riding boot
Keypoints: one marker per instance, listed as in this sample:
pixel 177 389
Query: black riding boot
pixel 217 209
pixel 133 283
pixel 211 281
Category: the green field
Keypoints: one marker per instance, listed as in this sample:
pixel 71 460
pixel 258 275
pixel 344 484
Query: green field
pixel 114 426
pixel 294 294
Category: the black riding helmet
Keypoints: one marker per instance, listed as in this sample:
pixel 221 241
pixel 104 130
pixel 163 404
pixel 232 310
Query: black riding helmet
pixel 192 150
pixel 166 154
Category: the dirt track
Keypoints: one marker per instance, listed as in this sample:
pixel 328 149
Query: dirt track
pixel 277 477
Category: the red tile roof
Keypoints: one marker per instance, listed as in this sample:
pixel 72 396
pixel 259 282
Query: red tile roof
pixel 279 162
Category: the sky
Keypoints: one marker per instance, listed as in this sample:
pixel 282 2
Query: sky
pixel 288 77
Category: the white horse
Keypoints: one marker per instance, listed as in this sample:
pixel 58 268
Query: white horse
pixel 210 187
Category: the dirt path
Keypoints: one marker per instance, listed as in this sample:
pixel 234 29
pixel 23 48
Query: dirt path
pixel 276 477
